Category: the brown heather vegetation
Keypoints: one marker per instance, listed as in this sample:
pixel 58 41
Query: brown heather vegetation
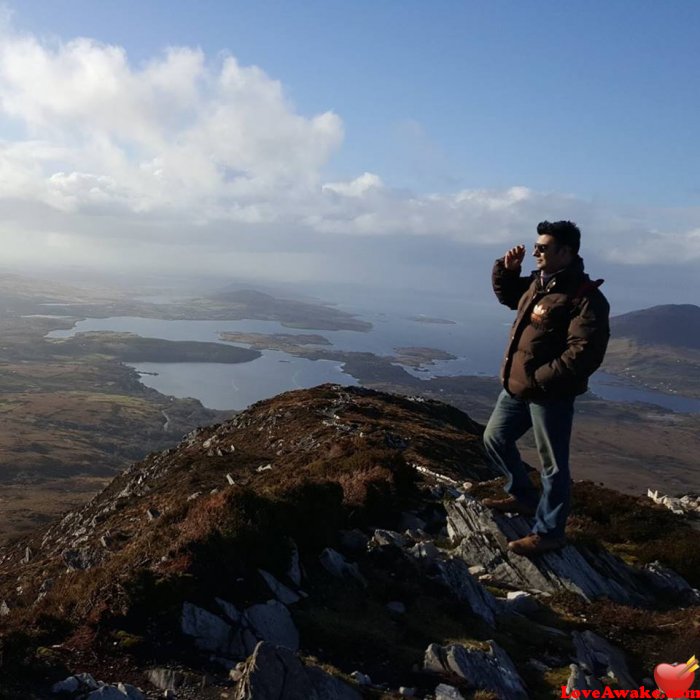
pixel 340 458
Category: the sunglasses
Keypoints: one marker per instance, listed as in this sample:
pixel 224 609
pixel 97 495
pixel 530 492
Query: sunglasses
pixel 541 247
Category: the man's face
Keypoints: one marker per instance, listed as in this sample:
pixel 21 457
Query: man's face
pixel 550 256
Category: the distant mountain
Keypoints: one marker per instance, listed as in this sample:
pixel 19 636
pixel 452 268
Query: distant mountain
pixel 322 544
pixel 677 325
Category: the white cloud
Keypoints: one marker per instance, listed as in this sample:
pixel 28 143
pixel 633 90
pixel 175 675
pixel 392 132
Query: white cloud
pixel 188 160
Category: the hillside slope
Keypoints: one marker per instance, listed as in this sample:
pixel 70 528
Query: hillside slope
pixel 675 325
pixel 327 531
pixel 658 348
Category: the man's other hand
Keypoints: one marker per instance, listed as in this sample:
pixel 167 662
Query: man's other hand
pixel 514 258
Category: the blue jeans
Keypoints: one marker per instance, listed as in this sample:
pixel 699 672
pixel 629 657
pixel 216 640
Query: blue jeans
pixel 551 424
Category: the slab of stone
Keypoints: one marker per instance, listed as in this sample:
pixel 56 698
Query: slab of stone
pixel 447 692
pixel 272 622
pixel 483 537
pixel 211 633
pixel 597 658
pixel 454 574
pixel 668 582
pixel 490 670
pixel 277 673
pixel 283 593
pixel 336 565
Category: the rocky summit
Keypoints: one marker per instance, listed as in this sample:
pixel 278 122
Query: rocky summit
pixel 331 543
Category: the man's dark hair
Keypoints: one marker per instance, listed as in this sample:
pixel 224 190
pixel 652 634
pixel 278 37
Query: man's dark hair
pixel 565 232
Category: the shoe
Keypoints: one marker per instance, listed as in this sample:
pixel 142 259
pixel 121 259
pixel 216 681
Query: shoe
pixel 534 544
pixel 508 505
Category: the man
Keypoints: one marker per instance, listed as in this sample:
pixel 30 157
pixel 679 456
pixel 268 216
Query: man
pixel 557 341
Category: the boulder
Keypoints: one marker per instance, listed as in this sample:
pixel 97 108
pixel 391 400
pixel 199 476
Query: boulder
pixel 447 692
pixel 424 551
pixel 522 602
pixel 597 658
pixel 211 633
pixel 169 678
pixel 667 582
pixel 490 670
pixel 454 574
pixel 131 692
pixel 276 673
pixel 271 622
pixel 68 685
pixel 388 537
pixel 336 565
pixel 283 593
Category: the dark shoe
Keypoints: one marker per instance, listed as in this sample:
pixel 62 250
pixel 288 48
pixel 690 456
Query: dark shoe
pixel 535 544
pixel 508 505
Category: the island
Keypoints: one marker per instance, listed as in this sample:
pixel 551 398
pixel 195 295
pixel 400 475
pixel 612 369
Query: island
pixel 429 319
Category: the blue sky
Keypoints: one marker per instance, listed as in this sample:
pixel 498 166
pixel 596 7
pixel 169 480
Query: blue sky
pixel 596 98
pixel 504 112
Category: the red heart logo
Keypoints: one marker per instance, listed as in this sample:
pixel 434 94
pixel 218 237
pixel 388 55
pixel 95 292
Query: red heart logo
pixel 673 679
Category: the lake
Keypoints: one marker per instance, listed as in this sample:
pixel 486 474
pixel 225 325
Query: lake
pixel 477 339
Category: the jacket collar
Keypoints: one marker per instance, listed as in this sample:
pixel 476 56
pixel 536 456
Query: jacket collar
pixel 563 278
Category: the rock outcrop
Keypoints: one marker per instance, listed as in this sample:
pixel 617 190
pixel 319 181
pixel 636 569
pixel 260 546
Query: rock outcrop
pixel 275 673
pixel 483 536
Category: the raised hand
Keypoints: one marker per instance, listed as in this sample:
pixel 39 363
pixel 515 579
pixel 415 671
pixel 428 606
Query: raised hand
pixel 514 258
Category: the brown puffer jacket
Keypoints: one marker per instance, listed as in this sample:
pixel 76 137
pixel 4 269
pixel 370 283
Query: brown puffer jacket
pixel 559 335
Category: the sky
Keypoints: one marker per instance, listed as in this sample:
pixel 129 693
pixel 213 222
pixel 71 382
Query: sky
pixel 395 144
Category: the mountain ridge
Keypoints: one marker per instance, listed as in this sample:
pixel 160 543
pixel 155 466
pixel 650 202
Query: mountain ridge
pixel 394 557
pixel 677 325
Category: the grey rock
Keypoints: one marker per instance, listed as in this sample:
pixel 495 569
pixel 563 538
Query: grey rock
pixel 4 609
pixel 69 685
pixel 210 632
pixel 328 687
pixel 107 692
pixel 229 609
pixel 454 574
pixel 424 551
pixel 666 581
pixel 82 559
pixel 596 657
pixel 410 521
pixel 130 691
pixel 580 679
pixel 447 692
pixel 271 622
pixel 336 565
pixel 492 670
pixel 388 537
pixel 276 673
pixel 166 678
pixel 522 602
pixel 283 593
pixel 361 678
pixel 484 535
